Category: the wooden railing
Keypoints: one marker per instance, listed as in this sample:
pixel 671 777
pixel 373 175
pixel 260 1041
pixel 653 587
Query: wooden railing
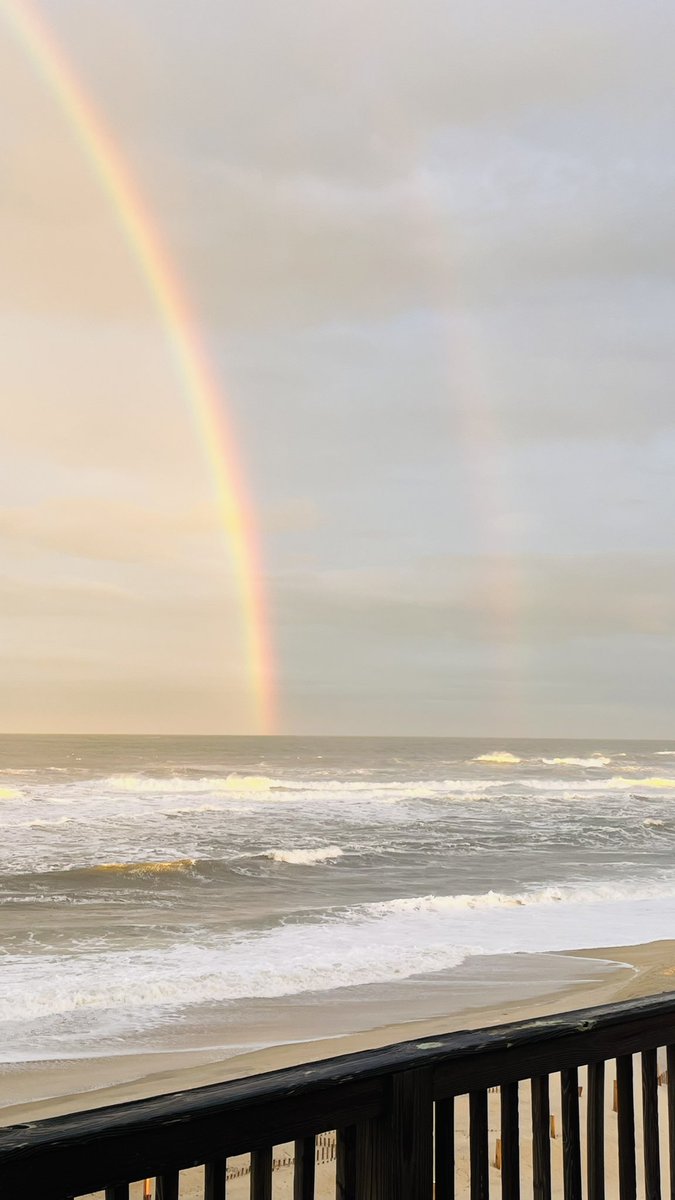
pixel 396 1114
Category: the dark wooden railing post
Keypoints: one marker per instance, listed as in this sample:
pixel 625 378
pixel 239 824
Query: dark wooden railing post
pixel 650 1125
pixel 478 1145
pixel 595 1131
pixel 626 1127
pixel 261 1174
pixel 541 1144
pixel 345 1163
pixel 569 1085
pixel 510 1131
pixel 305 1169
pixel 444 1149
pixel 215 1180
pixel 167 1186
pixel 395 1152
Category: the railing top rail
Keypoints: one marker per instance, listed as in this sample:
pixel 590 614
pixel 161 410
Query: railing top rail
pixel 349 1069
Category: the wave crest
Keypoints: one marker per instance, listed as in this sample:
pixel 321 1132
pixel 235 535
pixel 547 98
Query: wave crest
pixel 226 783
pixel 145 868
pixel 595 760
pixel 503 757
pixel 304 858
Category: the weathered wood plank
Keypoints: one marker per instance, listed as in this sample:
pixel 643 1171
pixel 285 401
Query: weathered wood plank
pixel 167 1186
pixel 595 1131
pixel 626 1127
pixel 394 1154
pixel 569 1086
pixel 215 1180
pixel 650 1125
pixel 478 1145
pixel 345 1163
pixel 305 1169
pixel 670 1056
pixel 261 1174
pixel 510 1135
pixel 444 1149
pixel 541 1143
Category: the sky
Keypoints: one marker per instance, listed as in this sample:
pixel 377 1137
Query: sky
pixel 430 248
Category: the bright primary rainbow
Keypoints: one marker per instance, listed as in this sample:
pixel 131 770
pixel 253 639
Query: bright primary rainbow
pixel 197 378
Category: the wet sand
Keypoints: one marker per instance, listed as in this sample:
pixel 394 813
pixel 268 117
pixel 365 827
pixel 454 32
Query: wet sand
pixel 35 1090
pixel 640 970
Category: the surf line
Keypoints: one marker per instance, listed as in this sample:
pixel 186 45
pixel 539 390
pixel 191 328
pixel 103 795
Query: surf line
pixel 197 378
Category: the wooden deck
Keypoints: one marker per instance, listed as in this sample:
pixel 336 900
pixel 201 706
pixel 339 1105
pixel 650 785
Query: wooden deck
pixel 392 1114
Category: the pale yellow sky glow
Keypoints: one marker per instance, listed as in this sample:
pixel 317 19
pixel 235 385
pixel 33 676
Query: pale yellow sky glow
pixel 378 213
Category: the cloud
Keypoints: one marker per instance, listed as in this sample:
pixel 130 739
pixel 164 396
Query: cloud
pixel 539 599
pixel 109 530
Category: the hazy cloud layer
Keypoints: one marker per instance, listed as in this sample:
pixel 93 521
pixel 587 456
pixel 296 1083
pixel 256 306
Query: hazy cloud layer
pixel 429 248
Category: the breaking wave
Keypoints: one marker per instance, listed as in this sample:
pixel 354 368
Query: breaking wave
pixel 498 756
pixel 139 784
pixel 595 760
pixel 585 894
pixel 144 868
pixel 9 793
pixel 304 858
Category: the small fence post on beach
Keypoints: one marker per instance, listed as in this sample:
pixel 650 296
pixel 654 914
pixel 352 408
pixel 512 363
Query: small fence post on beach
pixel 553 1130
pixel 147 1189
pixel 498 1154
pixel 615 1101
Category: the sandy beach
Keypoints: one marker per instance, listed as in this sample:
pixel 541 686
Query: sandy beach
pixel 523 985
pixel 639 970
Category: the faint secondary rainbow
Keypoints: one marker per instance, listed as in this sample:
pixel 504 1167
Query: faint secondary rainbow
pixel 198 380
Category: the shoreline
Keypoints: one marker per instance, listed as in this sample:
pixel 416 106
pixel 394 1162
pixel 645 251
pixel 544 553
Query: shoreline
pixel 638 970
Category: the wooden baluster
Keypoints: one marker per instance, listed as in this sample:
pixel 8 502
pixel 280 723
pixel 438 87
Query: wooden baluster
pixel 541 1143
pixel 215 1180
pixel 569 1085
pixel 119 1191
pixel 305 1168
pixel 626 1127
pixel 345 1163
pixel 510 1134
pixel 595 1132
pixel 395 1152
pixel 444 1149
pixel 670 1057
pixel 168 1186
pixel 478 1136
pixel 650 1122
pixel 261 1174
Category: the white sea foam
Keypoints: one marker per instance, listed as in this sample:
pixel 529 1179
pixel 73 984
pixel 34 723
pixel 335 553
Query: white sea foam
pixel 304 858
pixel 595 760
pixel 617 783
pixel 500 757
pixel 368 944
pixel 590 893
pixel 141 784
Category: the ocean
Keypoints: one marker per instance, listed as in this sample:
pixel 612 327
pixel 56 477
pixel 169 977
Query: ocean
pixel 226 893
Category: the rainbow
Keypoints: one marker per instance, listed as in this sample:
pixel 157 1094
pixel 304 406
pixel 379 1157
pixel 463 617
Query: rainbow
pixel 197 378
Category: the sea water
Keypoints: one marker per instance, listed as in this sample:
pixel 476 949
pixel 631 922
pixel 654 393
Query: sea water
pixel 221 892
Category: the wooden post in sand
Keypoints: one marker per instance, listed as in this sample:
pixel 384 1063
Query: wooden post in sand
pixel 553 1132
pixel 147 1189
pixel 615 1101
pixel 498 1154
